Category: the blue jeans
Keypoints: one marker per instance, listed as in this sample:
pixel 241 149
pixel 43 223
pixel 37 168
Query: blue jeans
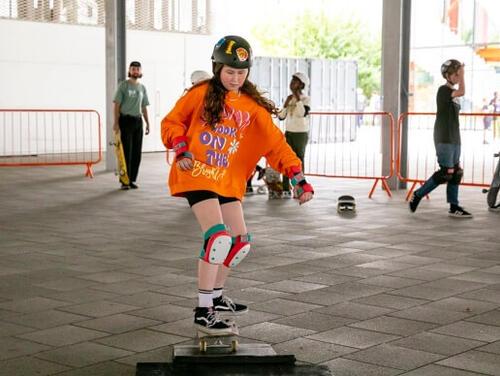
pixel 448 156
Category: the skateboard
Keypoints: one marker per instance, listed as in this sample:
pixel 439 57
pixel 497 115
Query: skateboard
pixel 346 203
pixel 220 343
pixel 273 183
pixel 121 164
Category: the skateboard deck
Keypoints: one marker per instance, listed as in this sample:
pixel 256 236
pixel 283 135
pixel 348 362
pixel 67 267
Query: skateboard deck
pixel 346 203
pixel 121 164
pixel 216 344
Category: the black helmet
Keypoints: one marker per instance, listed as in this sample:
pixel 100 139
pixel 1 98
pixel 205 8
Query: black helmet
pixel 450 66
pixel 234 51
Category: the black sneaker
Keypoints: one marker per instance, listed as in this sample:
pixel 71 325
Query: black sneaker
pixel 413 204
pixel 207 320
pixel 223 304
pixel 125 187
pixel 133 186
pixel 459 212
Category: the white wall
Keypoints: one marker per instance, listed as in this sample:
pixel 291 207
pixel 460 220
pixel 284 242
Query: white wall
pixel 63 66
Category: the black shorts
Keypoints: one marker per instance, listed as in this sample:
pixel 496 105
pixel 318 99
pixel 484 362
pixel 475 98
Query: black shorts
pixel 194 197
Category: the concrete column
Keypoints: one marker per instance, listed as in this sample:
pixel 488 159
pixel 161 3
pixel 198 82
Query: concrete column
pixel 115 35
pixel 393 35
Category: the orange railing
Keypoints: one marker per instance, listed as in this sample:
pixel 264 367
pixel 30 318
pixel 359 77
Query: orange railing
pixel 348 145
pixel 41 137
pixel 477 149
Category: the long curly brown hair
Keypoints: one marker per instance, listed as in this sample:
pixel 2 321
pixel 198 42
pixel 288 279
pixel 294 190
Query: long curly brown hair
pixel 216 93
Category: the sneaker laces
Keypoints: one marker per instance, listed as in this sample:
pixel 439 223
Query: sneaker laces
pixel 213 317
pixel 229 302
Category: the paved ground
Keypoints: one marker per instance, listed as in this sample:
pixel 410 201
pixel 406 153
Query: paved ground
pixel 93 279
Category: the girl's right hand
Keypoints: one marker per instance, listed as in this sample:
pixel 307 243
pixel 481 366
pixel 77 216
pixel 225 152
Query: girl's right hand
pixel 185 163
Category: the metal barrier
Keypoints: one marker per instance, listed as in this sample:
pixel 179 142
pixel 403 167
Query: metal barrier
pixel 348 145
pixel 38 137
pixel 478 146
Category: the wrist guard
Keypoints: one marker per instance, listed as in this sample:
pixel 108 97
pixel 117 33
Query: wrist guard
pixel 180 147
pixel 298 180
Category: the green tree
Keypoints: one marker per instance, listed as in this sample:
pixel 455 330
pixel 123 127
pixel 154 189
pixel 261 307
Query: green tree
pixel 314 35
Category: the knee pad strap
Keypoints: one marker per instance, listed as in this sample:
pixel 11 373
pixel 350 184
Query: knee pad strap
pixel 217 245
pixel 458 173
pixel 239 250
pixel 442 176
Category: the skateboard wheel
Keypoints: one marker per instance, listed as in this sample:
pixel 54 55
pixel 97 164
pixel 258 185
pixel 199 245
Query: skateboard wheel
pixel 203 345
pixel 234 345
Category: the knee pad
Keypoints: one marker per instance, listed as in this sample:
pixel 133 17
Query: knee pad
pixel 442 175
pixel 239 250
pixel 458 173
pixel 217 245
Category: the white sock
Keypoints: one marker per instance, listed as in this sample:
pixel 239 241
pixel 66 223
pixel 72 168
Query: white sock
pixel 218 292
pixel 205 298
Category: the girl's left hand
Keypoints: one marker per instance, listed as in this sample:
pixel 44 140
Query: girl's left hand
pixel 304 197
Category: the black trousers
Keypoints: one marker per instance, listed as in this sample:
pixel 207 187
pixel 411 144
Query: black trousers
pixel 131 134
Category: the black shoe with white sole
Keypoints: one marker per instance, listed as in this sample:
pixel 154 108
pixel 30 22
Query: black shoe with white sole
pixel 458 212
pixel 225 305
pixel 207 320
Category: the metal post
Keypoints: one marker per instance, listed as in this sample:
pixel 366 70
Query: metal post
pixel 115 65
pixel 405 78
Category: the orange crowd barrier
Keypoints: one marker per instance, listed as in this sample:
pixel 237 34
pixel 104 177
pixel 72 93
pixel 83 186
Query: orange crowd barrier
pixel 478 146
pixel 41 137
pixel 348 145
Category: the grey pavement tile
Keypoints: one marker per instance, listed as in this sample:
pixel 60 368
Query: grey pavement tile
pixel 119 323
pixel 431 315
pixel 103 369
pixel 479 276
pixel 84 295
pixel 424 292
pixel 353 290
pixel 98 309
pixel 146 299
pixel 347 367
pixel 314 321
pixel 159 355
pixel 46 319
pixel 326 278
pixel 82 354
pixel 66 284
pixel 108 276
pixel 318 297
pixel 13 347
pixel 355 271
pixel 353 337
pixel 141 340
pixel 393 325
pixel 436 370
pixel 273 333
pixel 307 350
pixel 9 329
pixel 475 361
pixel 448 267
pixel 268 275
pixel 492 348
pixel 360 244
pixel 62 335
pixel 394 357
pixel 32 305
pixel 488 318
pixel 237 283
pixel 486 295
pixel 458 304
pixel 390 301
pixel 390 281
pixel 189 290
pixel 354 311
pixel 151 270
pixel 166 312
pixel 283 306
pixel 256 294
pixel 480 332
pixel 389 265
pixel 422 274
pixel 417 260
pixel 292 286
pixel 130 286
pixel 169 279
pixel 27 366
pixel 438 343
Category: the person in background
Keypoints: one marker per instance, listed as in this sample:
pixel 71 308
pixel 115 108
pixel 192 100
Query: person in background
pixel 130 106
pixel 295 112
pixel 447 140
pixel 219 130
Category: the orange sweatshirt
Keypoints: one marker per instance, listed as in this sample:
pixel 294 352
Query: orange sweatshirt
pixel 224 157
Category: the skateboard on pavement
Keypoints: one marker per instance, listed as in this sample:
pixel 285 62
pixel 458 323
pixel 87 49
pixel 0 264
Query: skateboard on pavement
pixel 220 343
pixel 346 203
pixel 121 164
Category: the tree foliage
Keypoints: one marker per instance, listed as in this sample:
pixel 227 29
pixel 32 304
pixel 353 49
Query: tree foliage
pixel 316 36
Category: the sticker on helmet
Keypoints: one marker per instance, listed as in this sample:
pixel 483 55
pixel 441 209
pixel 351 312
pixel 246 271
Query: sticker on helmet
pixel 242 54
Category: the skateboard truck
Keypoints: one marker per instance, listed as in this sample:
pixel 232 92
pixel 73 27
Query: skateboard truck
pixel 346 203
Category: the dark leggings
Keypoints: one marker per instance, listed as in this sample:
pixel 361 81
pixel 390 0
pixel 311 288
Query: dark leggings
pixel 194 197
